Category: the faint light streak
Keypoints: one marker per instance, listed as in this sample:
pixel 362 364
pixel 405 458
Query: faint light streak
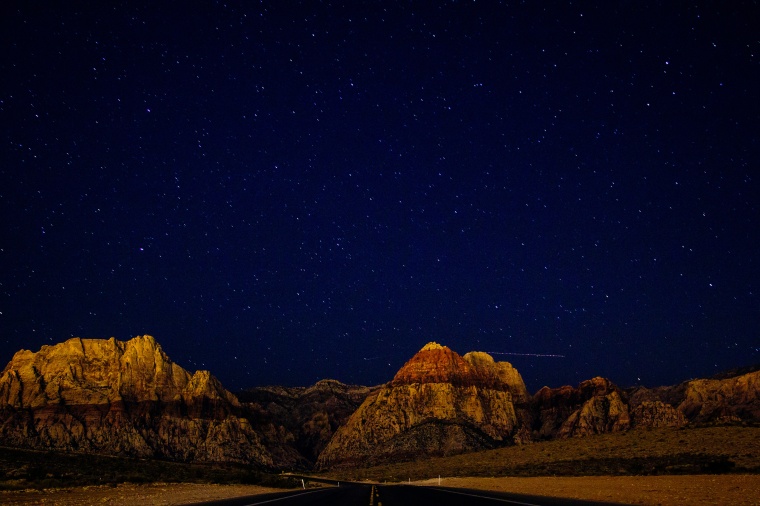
pixel 553 355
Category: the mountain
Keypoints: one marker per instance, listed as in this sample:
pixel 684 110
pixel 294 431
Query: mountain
pixel 596 406
pixel 122 398
pixel 128 398
pixel 439 403
pixel 304 418
pixel 730 397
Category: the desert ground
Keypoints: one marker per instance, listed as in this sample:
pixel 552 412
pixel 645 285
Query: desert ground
pixel 657 467
pixel 156 494
pixel 735 489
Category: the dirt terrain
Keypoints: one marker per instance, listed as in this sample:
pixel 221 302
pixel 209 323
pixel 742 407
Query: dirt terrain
pixel 672 458
pixel 736 489
pixel 695 490
pixel 157 494
pixel 666 451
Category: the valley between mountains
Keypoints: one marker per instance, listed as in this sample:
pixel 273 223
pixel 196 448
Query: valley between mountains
pixel 128 399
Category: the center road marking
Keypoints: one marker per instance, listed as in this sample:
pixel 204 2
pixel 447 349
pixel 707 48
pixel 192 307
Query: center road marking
pixel 288 497
pixel 374 492
pixel 499 499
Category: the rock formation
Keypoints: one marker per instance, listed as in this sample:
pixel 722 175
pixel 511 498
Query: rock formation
pixel 302 417
pixel 439 403
pixel 652 414
pixel 128 398
pixel 595 407
pixel 726 398
pixel 121 398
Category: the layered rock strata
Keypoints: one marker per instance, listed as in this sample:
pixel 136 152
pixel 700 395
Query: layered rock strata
pixel 723 399
pixel 439 403
pixel 122 398
pixel 596 406
pixel 129 398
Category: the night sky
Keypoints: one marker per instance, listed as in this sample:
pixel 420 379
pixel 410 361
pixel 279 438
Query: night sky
pixel 282 192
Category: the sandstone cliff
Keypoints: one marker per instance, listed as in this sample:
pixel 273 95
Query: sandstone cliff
pixel 651 414
pixel 439 403
pixel 598 406
pixel 595 407
pixel 121 398
pixel 129 398
pixel 304 418
pixel 726 398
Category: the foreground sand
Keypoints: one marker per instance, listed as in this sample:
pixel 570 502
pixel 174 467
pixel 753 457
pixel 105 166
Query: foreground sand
pixel 734 489
pixel 128 494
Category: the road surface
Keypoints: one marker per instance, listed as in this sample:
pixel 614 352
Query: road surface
pixel 394 495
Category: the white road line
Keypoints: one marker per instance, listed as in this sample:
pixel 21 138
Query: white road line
pixel 287 497
pixel 508 501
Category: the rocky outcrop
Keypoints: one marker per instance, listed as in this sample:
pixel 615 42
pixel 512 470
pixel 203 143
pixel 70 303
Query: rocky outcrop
pixel 304 418
pixel 439 364
pixel 122 398
pixel 727 398
pixel 439 403
pixel 652 414
pixel 128 398
pixel 596 406
pixel 707 400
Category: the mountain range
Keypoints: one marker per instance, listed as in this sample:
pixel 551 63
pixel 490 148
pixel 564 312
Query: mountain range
pixel 128 398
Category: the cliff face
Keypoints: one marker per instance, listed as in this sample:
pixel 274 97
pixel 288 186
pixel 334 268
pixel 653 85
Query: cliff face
pixel 129 398
pixel 124 398
pixel 439 403
pixel 596 406
pixel 650 414
pixel 723 399
pixel 304 418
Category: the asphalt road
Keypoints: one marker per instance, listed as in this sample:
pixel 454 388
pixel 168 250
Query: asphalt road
pixel 394 495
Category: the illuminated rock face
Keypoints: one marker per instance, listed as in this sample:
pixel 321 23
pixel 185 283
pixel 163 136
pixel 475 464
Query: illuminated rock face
pixel 439 403
pixel 128 398
pixel 438 364
pixel 122 398
pixel 721 400
pixel 730 398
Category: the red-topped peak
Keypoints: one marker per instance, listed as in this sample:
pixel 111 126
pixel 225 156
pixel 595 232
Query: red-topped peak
pixel 433 364
pixel 439 364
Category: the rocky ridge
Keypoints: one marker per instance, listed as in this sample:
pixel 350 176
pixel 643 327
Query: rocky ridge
pixel 596 406
pixel 129 398
pixel 122 398
pixel 439 403
pixel 725 399
pixel 302 417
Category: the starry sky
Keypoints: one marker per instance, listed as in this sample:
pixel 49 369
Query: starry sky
pixel 283 191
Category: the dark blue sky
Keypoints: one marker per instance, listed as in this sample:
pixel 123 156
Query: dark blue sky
pixel 281 192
